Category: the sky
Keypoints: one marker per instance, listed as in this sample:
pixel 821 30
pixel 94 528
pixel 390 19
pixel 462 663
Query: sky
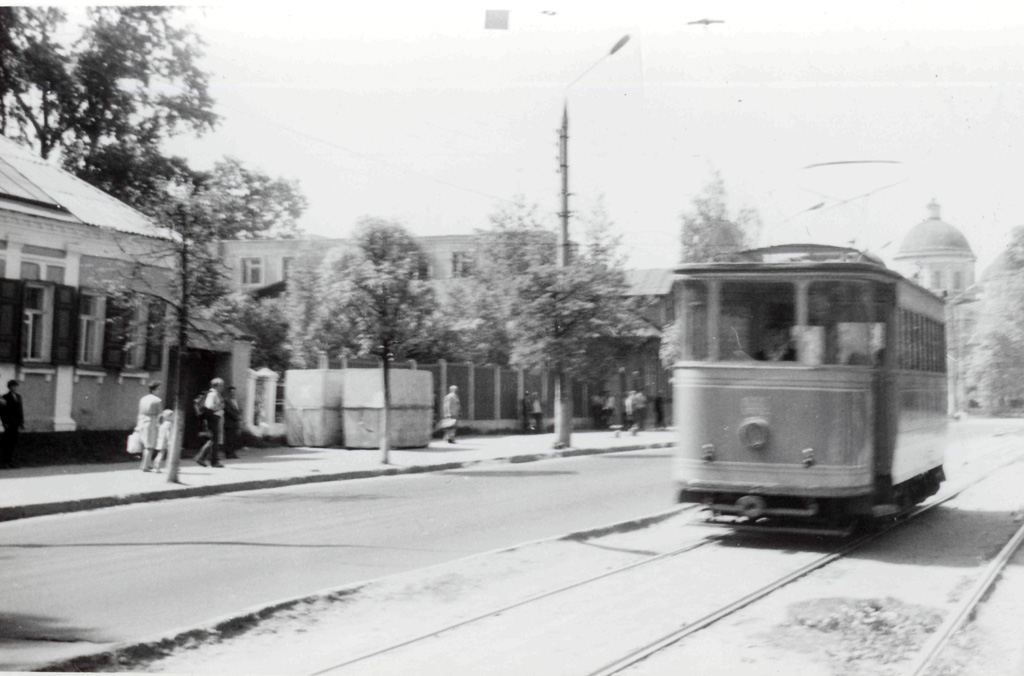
pixel 419 113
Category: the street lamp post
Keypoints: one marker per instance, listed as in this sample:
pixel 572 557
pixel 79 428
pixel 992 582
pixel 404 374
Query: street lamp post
pixel 563 385
pixel 563 155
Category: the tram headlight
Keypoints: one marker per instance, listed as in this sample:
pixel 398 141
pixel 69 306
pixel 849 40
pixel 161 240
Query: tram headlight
pixel 753 433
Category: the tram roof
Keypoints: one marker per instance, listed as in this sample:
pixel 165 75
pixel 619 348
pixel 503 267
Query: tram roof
pixel 793 257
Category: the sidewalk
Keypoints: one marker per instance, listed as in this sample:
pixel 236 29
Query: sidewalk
pixel 37 491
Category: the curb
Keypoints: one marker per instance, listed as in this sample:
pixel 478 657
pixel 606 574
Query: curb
pixel 67 506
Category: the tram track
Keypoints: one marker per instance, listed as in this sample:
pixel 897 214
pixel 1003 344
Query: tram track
pixel 523 602
pixel 928 653
pixel 667 639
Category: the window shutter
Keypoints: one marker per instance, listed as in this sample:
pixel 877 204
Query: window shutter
pixel 114 335
pixel 10 321
pixel 155 337
pixel 65 315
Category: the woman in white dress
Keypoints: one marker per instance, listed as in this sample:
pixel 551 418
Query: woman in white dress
pixel 150 407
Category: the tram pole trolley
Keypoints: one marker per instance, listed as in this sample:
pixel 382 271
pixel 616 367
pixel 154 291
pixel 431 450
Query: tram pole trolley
pixel 811 388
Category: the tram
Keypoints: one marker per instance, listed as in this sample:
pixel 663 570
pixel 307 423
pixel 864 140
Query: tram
pixel 811 388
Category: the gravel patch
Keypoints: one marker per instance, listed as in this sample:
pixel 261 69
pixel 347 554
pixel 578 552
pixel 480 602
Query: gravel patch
pixel 858 634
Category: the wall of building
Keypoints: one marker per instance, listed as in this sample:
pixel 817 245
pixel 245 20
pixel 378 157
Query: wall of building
pixel 108 402
pixel 440 252
pixel 75 397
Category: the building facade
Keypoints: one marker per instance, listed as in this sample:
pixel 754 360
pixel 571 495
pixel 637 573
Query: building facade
pixel 82 346
pixel 264 265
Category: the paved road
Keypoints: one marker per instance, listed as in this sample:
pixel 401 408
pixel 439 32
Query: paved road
pixel 129 573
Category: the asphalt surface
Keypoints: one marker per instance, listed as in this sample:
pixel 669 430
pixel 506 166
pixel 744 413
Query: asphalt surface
pixel 82 581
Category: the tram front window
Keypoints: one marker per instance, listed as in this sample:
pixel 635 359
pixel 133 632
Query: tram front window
pixel 757 321
pixel 846 324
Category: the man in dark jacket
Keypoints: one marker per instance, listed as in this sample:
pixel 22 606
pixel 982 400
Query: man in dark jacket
pixel 12 415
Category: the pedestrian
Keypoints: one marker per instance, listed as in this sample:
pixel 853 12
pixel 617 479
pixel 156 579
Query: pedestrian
pixel 148 424
pixel 639 410
pixel 213 416
pixel 451 407
pixel 232 425
pixel 659 412
pixel 524 411
pixel 596 413
pixel 538 414
pixel 163 439
pixel 627 411
pixel 608 410
pixel 12 415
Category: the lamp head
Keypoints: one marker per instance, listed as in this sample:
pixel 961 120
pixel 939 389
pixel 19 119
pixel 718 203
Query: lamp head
pixel 619 45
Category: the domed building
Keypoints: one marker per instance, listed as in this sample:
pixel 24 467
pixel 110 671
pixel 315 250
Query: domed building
pixel 937 256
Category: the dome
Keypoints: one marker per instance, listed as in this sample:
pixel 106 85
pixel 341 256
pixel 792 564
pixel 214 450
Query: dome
pixel 933 235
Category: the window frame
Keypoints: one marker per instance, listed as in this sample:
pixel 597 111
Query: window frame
pixel 136 336
pixel 45 315
pixel 90 326
pixel 45 266
pixel 247 268
pixel 462 264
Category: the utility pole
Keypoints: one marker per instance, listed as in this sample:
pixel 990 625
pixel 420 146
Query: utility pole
pixel 563 160
pixel 563 384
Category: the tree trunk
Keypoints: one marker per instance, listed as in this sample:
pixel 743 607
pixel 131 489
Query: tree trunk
pixel 180 408
pixel 563 409
pixel 385 413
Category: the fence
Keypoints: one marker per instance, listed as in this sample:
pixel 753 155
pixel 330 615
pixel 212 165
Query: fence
pixel 492 396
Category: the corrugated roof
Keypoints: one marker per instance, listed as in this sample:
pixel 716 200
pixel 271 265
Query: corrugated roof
pixel 14 184
pixel 24 176
pixel 649 282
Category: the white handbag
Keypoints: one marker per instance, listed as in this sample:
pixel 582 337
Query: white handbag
pixel 134 444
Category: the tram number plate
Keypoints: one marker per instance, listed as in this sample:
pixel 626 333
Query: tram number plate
pixel 754 406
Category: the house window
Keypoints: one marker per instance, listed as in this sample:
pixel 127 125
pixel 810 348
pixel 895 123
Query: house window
pixel 423 268
pixel 936 280
pixel 37 271
pixel 55 274
pixel 462 264
pixel 31 271
pixel 252 271
pixel 36 323
pixel 90 329
pixel 135 348
pixel 958 280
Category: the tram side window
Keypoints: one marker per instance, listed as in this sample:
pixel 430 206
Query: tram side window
pixel 695 321
pixel 922 343
pixel 845 324
pixel 756 322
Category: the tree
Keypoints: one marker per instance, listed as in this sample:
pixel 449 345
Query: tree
pixel 132 77
pixel 135 173
pixel 196 283
pixel 376 290
pixel 993 365
pixel 568 319
pixel 251 204
pixel 708 229
pixel 264 320
pixel 481 309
